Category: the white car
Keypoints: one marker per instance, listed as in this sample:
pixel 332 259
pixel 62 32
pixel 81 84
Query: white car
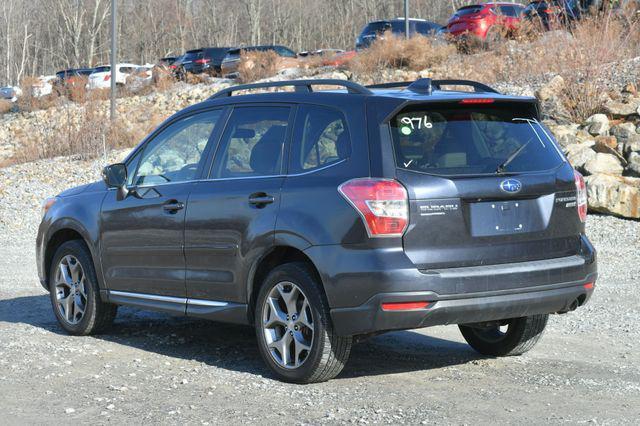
pixel 100 78
pixel 43 86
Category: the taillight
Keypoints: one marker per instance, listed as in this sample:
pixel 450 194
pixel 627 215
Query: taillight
pixel 475 101
pixel 172 67
pixel 107 77
pixel 383 205
pixel 201 61
pixel 581 196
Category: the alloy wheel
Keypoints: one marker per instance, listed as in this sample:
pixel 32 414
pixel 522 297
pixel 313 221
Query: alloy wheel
pixel 287 325
pixel 71 289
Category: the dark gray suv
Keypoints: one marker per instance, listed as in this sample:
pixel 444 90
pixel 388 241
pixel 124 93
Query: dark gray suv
pixel 321 217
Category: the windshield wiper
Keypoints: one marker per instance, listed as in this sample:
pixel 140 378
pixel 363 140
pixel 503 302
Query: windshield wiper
pixel 502 167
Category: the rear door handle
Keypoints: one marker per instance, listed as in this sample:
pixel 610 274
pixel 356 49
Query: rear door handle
pixel 261 199
pixel 173 206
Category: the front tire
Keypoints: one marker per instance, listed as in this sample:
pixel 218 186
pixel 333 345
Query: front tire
pixel 293 327
pixel 74 291
pixel 515 337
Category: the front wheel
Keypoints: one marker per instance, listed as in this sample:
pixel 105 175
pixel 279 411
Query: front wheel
pixel 74 291
pixel 511 337
pixel 293 327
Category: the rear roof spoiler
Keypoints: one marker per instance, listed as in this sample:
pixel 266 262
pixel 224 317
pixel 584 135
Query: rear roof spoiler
pixel 426 85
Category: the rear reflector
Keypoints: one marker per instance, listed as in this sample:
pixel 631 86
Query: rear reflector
pixel 404 306
pixel 472 101
pixel 581 196
pixel 588 286
pixel 383 205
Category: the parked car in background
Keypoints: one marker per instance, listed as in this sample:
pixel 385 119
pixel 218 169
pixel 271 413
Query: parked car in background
pixel 207 60
pixel 43 86
pixel 231 61
pixel 101 77
pixel 486 23
pixel 10 93
pixel 552 13
pixel 167 60
pixel 376 29
pixel 71 78
pixel 340 59
pixel 319 52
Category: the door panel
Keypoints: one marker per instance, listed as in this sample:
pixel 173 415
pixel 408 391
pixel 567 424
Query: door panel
pixel 225 234
pixel 142 241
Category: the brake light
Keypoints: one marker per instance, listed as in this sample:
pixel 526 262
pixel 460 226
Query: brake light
pixel 581 196
pixel 107 77
pixel 172 67
pixel 383 205
pixel 475 101
pixel 201 61
pixel 404 306
pixel 588 286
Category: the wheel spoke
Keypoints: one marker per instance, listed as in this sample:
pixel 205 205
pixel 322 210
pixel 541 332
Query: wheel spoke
pixel 300 345
pixel 290 298
pixel 282 346
pixel 76 270
pixel 304 318
pixel 276 316
pixel 64 274
pixel 67 307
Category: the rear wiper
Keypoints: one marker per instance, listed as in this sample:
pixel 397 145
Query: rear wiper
pixel 502 167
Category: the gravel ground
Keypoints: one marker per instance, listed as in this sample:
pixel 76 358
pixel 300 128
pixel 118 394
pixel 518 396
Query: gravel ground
pixel 152 368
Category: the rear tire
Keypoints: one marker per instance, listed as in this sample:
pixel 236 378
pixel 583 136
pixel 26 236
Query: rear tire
pixel 74 291
pixel 293 327
pixel 521 335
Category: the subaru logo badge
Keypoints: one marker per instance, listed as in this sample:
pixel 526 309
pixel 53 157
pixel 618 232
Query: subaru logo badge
pixel 511 186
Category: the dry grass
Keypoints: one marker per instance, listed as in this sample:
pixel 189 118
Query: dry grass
pixel 415 54
pixel 257 65
pixel 5 106
pixel 83 133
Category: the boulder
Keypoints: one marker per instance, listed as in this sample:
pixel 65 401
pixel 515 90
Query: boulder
pixel 633 168
pixel 623 109
pixel 579 154
pixel 551 89
pixel 597 125
pixel 614 194
pixel 565 134
pixel 608 145
pixel 603 163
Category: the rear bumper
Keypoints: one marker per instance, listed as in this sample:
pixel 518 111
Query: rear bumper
pixel 358 281
pixel 370 317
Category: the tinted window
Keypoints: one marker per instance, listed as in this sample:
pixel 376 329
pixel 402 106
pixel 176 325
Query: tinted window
pixel 427 27
pixel 511 11
pixel 283 51
pixel 376 27
pixel 252 143
pixel 174 154
pixel 322 138
pixel 469 10
pixel 471 140
pixel 102 69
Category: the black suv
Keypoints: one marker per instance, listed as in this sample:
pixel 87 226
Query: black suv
pixel 374 30
pixel 198 61
pixel 321 217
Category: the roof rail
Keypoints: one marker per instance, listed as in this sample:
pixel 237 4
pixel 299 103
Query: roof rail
pixel 421 85
pixel 304 86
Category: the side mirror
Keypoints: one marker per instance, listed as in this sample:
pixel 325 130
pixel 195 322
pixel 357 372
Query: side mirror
pixel 115 176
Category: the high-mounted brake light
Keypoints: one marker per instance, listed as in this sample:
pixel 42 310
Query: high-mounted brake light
pixel 404 306
pixel 383 205
pixel 581 196
pixel 474 101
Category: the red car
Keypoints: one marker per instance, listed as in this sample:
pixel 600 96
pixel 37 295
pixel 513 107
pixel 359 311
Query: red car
pixel 485 22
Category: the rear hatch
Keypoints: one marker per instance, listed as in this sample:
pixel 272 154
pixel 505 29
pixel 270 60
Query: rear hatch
pixel 464 18
pixel 486 184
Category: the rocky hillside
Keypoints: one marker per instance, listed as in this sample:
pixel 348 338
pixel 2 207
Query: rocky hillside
pixel 605 147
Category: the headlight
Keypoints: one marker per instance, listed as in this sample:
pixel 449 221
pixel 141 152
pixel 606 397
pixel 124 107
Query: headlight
pixel 47 204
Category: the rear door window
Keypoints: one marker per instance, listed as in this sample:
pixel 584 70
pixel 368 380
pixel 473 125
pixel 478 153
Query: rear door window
pixel 454 139
pixel 321 139
pixel 253 143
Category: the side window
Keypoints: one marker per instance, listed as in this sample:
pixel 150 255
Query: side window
pixel 322 138
pixel 252 143
pixel 174 154
pixel 508 11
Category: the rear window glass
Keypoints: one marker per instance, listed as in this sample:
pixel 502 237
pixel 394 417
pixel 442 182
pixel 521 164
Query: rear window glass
pixel 453 139
pixel 470 10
